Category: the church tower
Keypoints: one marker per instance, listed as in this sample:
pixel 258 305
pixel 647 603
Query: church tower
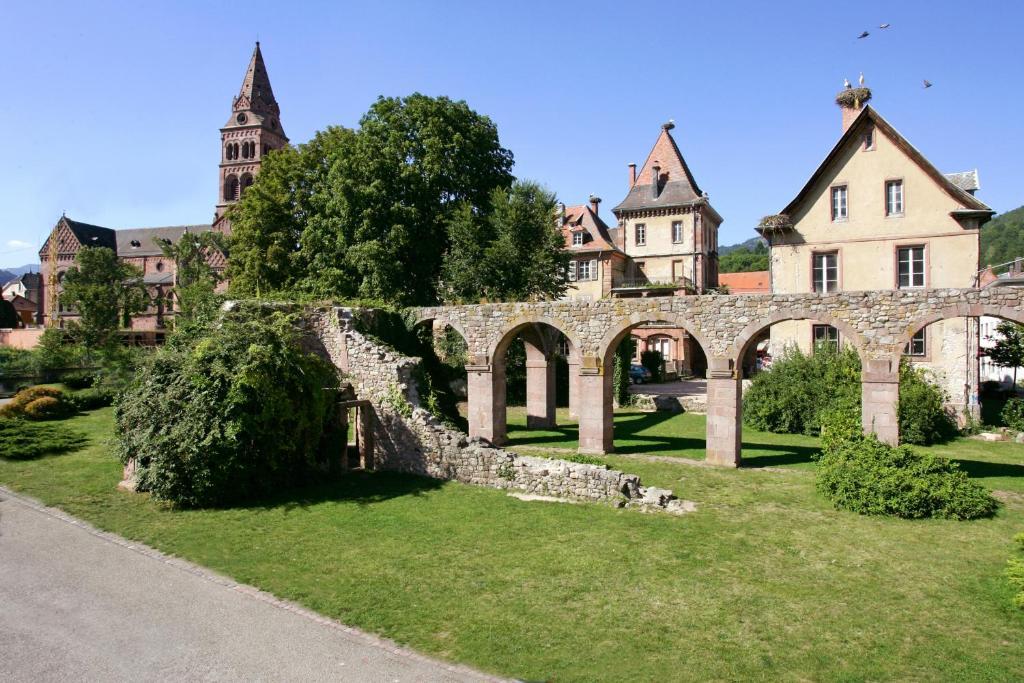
pixel 253 130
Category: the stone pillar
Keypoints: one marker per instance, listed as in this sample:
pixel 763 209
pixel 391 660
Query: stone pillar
pixel 574 385
pixel 540 387
pixel 724 429
pixel 880 398
pixel 485 384
pixel 596 410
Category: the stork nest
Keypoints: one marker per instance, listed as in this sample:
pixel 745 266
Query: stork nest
pixel 853 97
pixel 778 221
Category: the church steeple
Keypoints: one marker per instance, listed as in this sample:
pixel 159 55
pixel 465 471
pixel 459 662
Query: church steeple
pixel 253 130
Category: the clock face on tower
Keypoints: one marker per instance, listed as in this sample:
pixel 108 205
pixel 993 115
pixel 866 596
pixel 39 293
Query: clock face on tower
pixel 241 118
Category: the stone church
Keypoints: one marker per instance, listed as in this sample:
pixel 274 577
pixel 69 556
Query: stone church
pixel 250 133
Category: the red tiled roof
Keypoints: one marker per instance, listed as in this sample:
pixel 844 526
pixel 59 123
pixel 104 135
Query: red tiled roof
pixel 755 282
pixel 582 217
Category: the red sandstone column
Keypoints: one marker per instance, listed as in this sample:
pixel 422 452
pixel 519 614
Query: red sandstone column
pixel 724 429
pixel 540 387
pixel 880 398
pixel 486 388
pixel 596 410
pixel 574 385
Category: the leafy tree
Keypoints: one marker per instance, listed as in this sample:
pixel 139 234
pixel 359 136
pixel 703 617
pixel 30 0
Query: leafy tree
pixel 1008 351
pixel 1002 238
pixel 511 251
pixel 195 280
pixel 744 260
pixel 105 292
pixel 365 213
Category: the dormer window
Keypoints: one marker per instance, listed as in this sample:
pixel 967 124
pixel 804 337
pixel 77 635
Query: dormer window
pixel 577 239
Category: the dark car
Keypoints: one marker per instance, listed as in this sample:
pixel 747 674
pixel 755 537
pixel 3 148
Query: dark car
pixel 638 374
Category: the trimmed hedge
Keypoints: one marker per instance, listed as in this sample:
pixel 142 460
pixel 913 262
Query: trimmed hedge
pixel 859 473
pixel 228 412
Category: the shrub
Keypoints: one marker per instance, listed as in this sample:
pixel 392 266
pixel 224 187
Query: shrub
pixel 21 440
pixel 922 416
pixel 227 411
pixel 78 379
pixel 15 362
pixel 38 403
pixel 800 390
pixel 864 475
pixel 1013 414
pixel 91 399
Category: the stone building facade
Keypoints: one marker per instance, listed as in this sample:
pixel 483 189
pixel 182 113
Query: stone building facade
pixel 877 215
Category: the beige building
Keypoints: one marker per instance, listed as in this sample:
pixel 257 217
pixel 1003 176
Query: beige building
pixel 877 215
pixel 597 264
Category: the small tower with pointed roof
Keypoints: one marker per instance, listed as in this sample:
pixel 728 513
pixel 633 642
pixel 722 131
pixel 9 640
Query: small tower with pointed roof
pixel 253 130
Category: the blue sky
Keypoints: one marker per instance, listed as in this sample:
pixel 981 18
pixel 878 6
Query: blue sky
pixel 111 110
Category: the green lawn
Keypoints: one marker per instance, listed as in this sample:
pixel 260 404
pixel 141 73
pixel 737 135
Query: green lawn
pixel 764 581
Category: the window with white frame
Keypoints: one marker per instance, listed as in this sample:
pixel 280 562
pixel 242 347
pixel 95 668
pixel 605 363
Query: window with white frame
pixel 894 198
pixel 640 234
pixel 577 239
pixel 825 272
pixel 910 264
pixel 825 335
pixel 586 270
pixel 677 231
pixel 917 346
pixel 840 210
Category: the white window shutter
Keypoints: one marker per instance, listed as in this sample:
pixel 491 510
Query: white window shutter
pixel 593 269
pixel 572 271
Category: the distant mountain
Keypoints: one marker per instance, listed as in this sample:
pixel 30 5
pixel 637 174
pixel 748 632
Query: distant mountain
pixel 749 245
pixel 1002 238
pixel 11 272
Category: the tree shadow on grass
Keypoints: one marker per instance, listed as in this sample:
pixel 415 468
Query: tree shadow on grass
pixel 785 455
pixel 980 469
pixel 362 488
pixel 24 440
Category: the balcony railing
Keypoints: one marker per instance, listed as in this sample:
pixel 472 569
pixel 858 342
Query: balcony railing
pixel 644 283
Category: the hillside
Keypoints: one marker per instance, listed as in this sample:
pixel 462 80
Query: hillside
pixel 746 257
pixel 749 245
pixel 6 276
pixel 1002 238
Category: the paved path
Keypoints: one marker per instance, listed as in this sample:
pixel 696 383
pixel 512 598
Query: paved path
pixel 682 387
pixel 79 604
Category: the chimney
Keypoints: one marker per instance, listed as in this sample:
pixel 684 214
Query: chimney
pixel 632 175
pixel 655 178
pixel 560 209
pixel 594 201
pixel 851 102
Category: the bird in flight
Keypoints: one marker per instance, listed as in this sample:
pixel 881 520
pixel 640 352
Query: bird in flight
pixel 927 83
pixel 863 35
pixel 884 25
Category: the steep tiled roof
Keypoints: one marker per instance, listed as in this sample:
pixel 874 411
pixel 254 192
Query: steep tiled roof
pixel 92 235
pixel 676 183
pixel 868 116
pixel 755 282
pixel 965 180
pixel 145 241
pixel 582 218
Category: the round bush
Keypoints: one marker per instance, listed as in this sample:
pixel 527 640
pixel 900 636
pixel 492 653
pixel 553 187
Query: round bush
pixel 1013 414
pixel 55 406
pixel 227 412
pixel 78 379
pixel 45 408
pixel 864 475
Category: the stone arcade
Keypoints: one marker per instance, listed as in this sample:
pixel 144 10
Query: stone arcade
pixel 878 324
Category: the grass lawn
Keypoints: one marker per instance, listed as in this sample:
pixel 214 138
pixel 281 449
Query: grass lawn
pixel 764 581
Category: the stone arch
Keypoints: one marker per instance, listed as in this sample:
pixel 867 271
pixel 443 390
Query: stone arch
pixel 620 328
pixel 947 313
pixel 429 316
pixel 741 344
pixel 245 183
pixel 231 188
pixel 510 331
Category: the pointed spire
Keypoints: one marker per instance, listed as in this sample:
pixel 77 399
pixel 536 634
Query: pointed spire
pixel 256 94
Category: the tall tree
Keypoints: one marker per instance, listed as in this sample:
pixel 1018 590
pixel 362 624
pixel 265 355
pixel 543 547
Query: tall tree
pixel 365 213
pixel 105 292
pixel 1008 351
pixel 195 280
pixel 510 250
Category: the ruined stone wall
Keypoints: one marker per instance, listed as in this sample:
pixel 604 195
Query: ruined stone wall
pixel 409 439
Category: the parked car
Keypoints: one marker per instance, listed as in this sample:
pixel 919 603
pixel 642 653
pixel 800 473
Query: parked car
pixel 638 374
